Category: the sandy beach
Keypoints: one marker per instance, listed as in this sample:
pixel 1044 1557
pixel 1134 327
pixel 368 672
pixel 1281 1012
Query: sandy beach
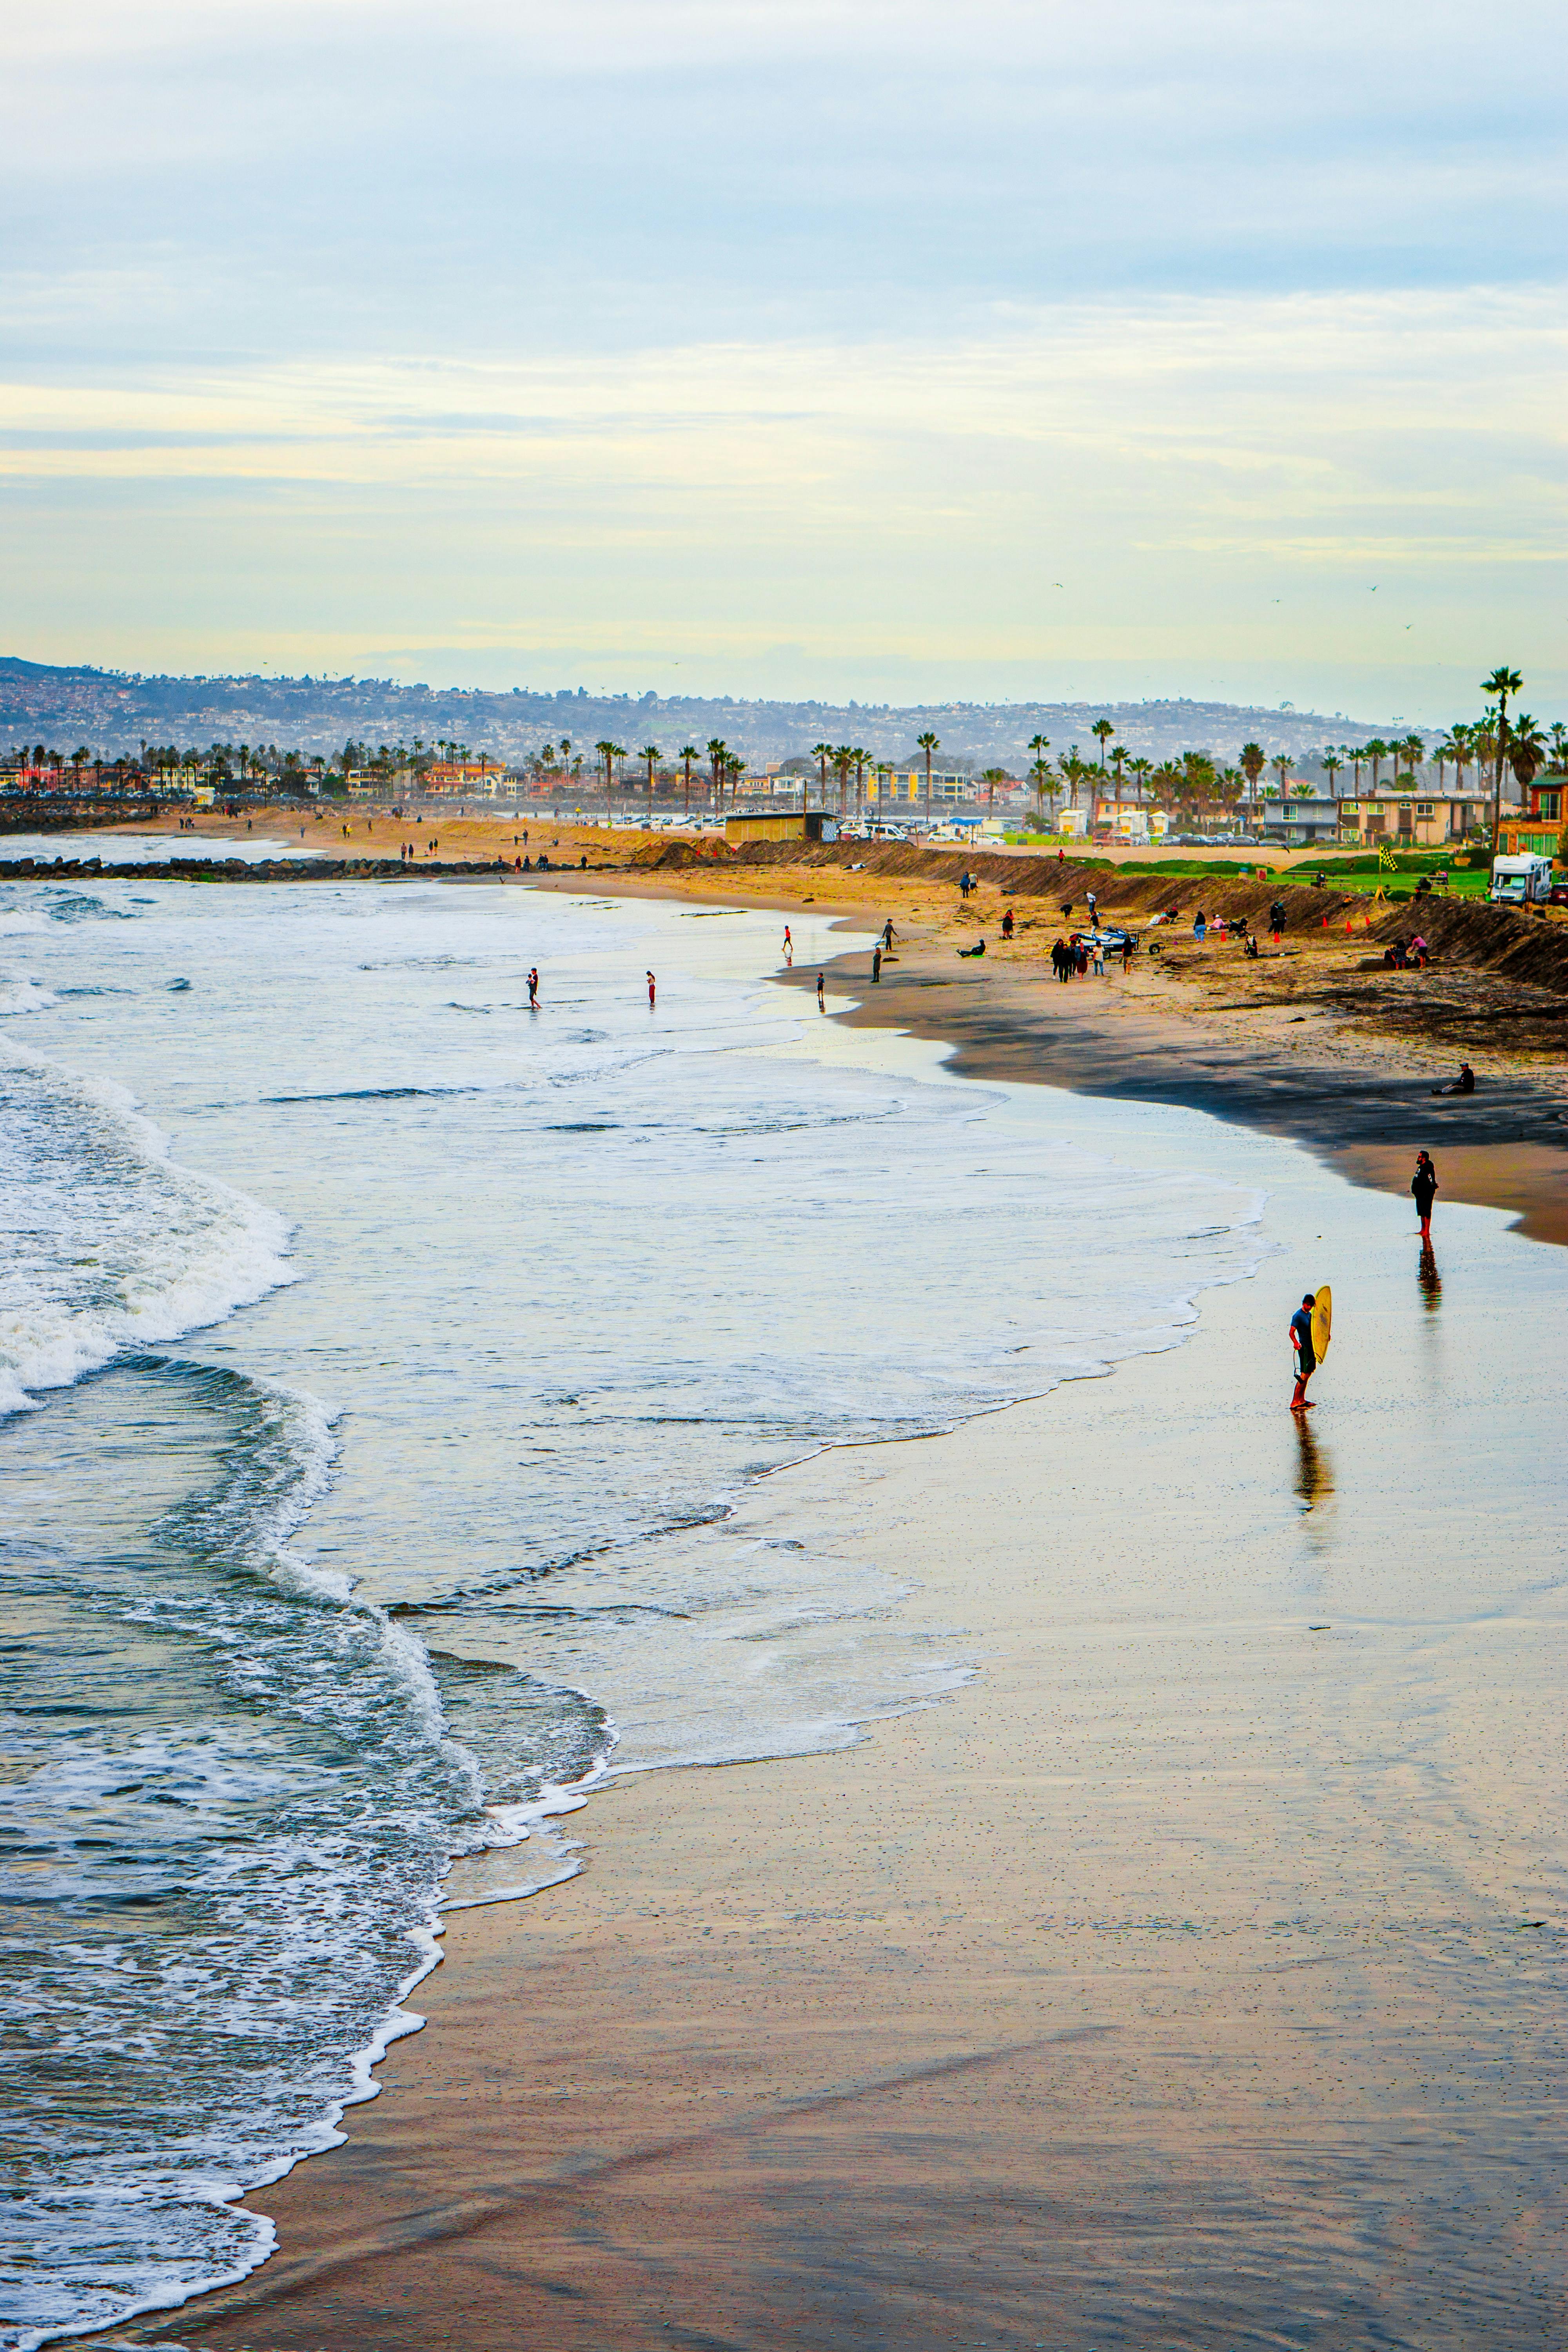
pixel 1305 1042
pixel 1187 1978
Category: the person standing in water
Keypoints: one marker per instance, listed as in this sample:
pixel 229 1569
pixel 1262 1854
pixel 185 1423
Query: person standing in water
pixel 1424 1186
pixel 1305 1355
pixel 533 990
pixel 652 991
pixel 877 962
pixel 821 1006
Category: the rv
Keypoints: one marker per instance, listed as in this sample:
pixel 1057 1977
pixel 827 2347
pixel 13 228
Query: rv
pixel 1522 882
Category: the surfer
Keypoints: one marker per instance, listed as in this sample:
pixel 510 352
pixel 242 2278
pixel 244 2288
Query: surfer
pixel 1424 1186
pixel 1306 1357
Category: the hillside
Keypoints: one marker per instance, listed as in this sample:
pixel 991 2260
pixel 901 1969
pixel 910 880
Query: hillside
pixel 111 712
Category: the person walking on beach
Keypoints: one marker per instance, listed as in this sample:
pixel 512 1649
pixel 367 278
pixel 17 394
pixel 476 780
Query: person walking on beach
pixel 1424 1186
pixel 1306 1358
pixel 652 991
pixel 877 962
pixel 533 990
pixel 821 1006
pixel 888 937
pixel 1200 926
pixel 788 951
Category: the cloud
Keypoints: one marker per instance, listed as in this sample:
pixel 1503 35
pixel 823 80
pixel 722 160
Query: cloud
pixel 729 326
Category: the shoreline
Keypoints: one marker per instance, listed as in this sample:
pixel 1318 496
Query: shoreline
pixel 1351 1090
pixel 1050 2010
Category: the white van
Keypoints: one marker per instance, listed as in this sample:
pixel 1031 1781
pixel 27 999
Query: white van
pixel 1522 882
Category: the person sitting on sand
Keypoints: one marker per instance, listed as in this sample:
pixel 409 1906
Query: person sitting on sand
pixel 977 950
pixel 1249 943
pixel 1465 1084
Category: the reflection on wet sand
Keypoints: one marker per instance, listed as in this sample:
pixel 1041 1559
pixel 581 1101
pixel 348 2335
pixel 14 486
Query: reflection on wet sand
pixel 1431 1281
pixel 1314 1467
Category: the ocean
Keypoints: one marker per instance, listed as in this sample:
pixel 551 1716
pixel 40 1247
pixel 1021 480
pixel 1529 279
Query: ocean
pixel 380 1364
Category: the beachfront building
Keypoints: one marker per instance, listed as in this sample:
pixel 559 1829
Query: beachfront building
pixel 1130 823
pixel 1536 830
pixel 904 785
pixel 1294 820
pixel 469 776
pixel 1413 820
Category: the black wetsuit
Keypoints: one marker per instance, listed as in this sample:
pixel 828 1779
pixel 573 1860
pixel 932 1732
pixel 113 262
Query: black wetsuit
pixel 1423 1187
pixel 1302 1333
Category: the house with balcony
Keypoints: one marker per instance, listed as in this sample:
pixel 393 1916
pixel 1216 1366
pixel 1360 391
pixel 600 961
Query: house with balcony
pixel 1535 830
pixel 1414 819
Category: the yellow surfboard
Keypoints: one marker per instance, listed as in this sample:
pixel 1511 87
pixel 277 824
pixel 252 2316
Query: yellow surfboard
pixel 1323 1322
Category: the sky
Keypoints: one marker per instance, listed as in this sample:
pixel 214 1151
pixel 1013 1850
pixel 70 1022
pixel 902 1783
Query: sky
pixel 769 347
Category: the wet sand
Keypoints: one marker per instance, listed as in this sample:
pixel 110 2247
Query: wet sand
pixel 1192 1978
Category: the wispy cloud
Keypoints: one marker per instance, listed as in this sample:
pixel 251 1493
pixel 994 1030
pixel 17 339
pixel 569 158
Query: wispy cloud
pixel 787 332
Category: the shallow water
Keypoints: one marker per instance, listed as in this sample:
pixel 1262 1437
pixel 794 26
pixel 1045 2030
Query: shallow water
pixel 384 1361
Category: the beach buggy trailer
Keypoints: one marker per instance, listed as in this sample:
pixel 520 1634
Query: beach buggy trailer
pixel 1522 882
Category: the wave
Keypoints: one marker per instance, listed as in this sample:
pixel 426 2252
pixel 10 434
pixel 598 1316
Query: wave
pixel 113 1245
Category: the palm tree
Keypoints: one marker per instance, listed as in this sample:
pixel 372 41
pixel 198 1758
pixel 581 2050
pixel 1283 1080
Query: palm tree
pixel 928 743
pixel 1376 751
pixel 1254 759
pixel 1039 745
pixel 717 754
pixel 1041 774
pixel 994 776
pixel 861 757
pixel 1075 770
pixel 1332 763
pixel 1413 750
pixel 652 755
pixel 688 751
pixel 1117 757
pixel 1105 731
pixel 1141 770
pixel 1559 759
pixel 883 770
pixel 1526 749
pixel 843 761
pixel 1502 683
pixel 821 754
pixel 1281 760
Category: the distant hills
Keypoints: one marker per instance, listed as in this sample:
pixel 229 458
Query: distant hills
pixel 112 711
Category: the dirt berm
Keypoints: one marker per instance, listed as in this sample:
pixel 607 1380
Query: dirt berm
pixel 1458 931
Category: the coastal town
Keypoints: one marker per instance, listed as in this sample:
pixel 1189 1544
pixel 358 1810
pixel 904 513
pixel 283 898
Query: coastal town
pixel 1409 793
